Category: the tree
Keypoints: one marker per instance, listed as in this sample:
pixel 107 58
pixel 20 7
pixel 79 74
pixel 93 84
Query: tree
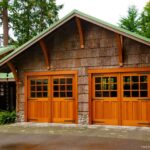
pixel 145 21
pixel 131 22
pixel 4 20
pixel 29 17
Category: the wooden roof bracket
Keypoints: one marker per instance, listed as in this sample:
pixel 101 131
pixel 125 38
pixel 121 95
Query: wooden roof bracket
pixel 80 31
pixel 119 41
pixel 13 70
pixel 45 52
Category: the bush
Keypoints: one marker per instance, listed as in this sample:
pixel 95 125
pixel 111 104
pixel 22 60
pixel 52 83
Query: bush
pixel 7 117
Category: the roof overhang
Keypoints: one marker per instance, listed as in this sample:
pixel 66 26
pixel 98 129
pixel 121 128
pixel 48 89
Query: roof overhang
pixel 62 21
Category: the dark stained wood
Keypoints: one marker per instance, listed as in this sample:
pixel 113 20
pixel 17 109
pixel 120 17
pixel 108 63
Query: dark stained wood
pixel 80 30
pixel 13 70
pixel 45 52
pixel 120 49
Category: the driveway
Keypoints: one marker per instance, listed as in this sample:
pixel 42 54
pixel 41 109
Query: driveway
pixel 72 137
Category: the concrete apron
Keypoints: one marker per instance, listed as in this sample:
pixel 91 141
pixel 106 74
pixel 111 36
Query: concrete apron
pixel 106 131
pixel 33 124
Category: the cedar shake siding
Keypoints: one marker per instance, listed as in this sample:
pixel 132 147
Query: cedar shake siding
pixel 100 51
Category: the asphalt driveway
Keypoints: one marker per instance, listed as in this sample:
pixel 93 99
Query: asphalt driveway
pixel 62 137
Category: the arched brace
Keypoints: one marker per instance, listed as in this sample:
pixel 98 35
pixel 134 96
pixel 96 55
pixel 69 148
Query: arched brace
pixel 80 31
pixel 120 49
pixel 13 70
pixel 45 52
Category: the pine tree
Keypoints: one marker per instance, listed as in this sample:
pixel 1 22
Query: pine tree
pixel 145 21
pixel 131 22
pixel 27 18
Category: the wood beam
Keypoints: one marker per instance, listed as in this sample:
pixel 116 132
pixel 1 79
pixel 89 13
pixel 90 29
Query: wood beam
pixel 45 52
pixel 120 49
pixel 13 70
pixel 80 31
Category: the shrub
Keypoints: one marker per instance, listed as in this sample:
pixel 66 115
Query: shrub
pixel 7 117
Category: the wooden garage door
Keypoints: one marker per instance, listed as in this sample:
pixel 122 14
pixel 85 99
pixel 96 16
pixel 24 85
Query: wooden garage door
pixel 121 99
pixel 51 99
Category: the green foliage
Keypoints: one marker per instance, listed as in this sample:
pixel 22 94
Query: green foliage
pixel 145 21
pixel 7 117
pixel 27 18
pixel 131 22
pixel 138 23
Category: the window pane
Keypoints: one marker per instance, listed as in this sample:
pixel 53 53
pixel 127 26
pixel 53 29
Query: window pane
pixel 45 88
pixel 126 79
pixel 45 94
pixel 98 94
pixel 62 87
pixel 45 81
pixel 98 80
pixel 143 94
pixel 32 82
pixel 105 94
pixel 113 94
pixel 56 94
pixel 126 86
pixel 113 86
pixel 56 87
pixel 39 88
pixel 105 80
pixel 98 87
pixel 113 79
pixel 135 78
pixel 69 94
pixel 69 87
pixel 39 94
pixel 135 94
pixel 32 94
pixel 143 78
pixel 62 81
pixel 105 87
pixel 135 86
pixel 38 82
pixel 69 80
pixel 56 81
pixel 62 94
pixel 127 94
pixel 143 86
pixel 32 88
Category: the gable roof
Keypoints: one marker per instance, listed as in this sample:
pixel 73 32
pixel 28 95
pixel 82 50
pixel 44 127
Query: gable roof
pixel 75 13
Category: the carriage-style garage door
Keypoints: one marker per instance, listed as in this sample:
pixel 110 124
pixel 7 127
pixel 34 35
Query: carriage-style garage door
pixel 120 99
pixel 51 98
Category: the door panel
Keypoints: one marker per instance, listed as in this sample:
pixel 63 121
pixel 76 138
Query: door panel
pixel 135 99
pixel 63 99
pixel 38 103
pixel 51 99
pixel 38 111
pixel 121 99
pixel 105 104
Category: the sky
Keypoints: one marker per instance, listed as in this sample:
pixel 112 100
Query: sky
pixel 108 10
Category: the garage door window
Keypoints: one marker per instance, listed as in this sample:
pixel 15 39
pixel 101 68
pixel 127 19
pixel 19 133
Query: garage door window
pixel 135 86
pixel 38 88
pixel 62 87
pixel 105 86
